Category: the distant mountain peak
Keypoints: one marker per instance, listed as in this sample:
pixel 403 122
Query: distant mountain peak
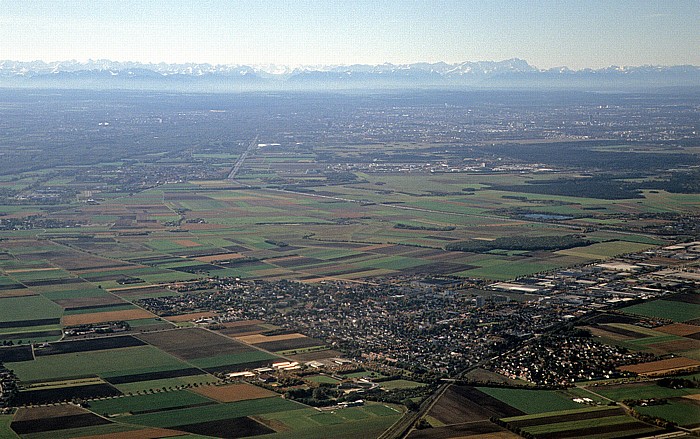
pixel 514 72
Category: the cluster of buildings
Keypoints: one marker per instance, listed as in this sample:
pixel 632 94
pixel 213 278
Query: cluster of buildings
pixel 560 360
pixel 8 386
pixel 613 283
pixel 421 329
pixel 434 331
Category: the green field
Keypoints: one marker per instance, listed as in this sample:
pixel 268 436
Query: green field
pixel 683 412
pixel 172 418
pixel 582 424
pixel 368 421
pixel 5 430
pixel 586 409
pixel 109 362
pixel 155 401
pixel 323 379
pixel 666 309
pixel 143 386
pixel 399 384
pixel 643 391
pixel 14 309
pixel 531 401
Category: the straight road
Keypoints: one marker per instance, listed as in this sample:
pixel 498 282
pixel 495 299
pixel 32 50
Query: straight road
pixel 253 144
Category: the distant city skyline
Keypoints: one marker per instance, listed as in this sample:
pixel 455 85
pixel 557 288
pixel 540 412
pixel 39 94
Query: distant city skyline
pixel 576 34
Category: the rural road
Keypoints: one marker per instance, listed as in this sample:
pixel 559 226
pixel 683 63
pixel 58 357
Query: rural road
pixel 253 144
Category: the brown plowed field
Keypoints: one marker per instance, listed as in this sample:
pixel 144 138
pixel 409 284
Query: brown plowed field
pixel 108 316
pixel 259 338
pixel 190 317
pixel 599 331
pixel 194 343
pixel 677 346
pixel 222 257
pixel 681 329
pixel 79 302
pixel 234 392
pixel 316 355
pixel 662 366
pixel 460 404
pixel 32 413
pixel 187 243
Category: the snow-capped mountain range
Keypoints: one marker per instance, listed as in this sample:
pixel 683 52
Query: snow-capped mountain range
pixel 208 77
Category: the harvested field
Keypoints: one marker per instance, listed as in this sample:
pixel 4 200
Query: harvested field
pixel 685 298
pixel 471 430
pixel 29 323
pixel 219 257
pixel 680 329
pixel 93 344
pixel 461 404
pixel 234 392
pixel 316 355
pixel 227 428
pixel 662 367
pixel 47 282
pixel 16 353
pixel 683 346
pixel 140 291
pixel 18 292
pixel 48 396
pixel 190 317
pixel 291 344
pixel 259 338
pixel 239 367
pixel 90 302
pixel 243 330
pixel 31 413
pixel 194 343
pixel 108 316
pixel 599 331
pixel 187 243
pixel 57 423
pixel 626 333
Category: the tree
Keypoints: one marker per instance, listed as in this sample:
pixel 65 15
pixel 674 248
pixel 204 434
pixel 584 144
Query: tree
pixel 410 404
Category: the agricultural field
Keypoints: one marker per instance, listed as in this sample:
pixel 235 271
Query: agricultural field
pixel 634 391
pixel 329 188
pixel 666 309
pixel 367 422
pixel 590 422
pixel 684 411
pixel 530 401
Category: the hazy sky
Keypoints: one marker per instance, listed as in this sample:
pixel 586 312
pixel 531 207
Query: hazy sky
pixel 586 33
